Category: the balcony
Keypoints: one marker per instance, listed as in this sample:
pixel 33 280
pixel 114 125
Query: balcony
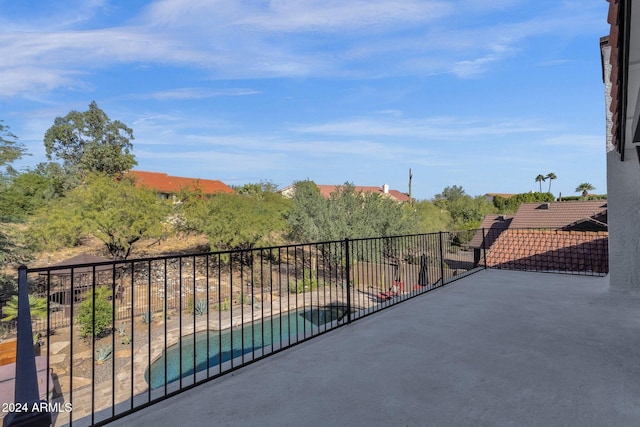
pixel 492 347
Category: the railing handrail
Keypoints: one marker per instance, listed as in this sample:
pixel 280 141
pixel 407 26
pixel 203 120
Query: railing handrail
pixel 360 275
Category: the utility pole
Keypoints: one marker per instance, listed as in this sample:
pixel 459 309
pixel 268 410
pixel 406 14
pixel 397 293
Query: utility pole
pixel 410 178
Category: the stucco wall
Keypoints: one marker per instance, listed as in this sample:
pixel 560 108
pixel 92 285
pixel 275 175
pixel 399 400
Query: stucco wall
pixel 623 190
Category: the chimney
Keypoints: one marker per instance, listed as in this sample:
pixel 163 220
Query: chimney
pixel 385 188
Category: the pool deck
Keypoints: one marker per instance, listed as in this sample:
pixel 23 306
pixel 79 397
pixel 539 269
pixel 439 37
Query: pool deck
pixel 497 348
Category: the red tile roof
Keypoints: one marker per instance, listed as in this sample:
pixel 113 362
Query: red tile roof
pixel 493 226
pixel 616 19
pixel 164 183
pixel 326 190
pixel 550 250
pixel 558 215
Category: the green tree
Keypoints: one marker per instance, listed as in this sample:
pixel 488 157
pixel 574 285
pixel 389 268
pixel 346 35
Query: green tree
pixel 10 150
pixel 585 187
pixel 90 142
pixel 307 217
pixel 540 179
pixel 58 225
pixel 466 212
pixel 431 217
pixel 235 221
pixel 11 250
pixel 506 205
pixel 119 214
pixel 256 189
pixel 347 213
pixel 449 195
pixel 30 191
pixel 114 211
pixel 550 176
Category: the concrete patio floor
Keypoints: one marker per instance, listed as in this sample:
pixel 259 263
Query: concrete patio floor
pixel 497 348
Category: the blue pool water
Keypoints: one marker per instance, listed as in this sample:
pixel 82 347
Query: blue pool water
pixel 232 343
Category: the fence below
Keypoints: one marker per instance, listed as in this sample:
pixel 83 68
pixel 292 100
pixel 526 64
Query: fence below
pixel 122 335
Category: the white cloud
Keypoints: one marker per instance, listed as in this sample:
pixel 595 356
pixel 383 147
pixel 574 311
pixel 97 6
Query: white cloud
pixel 439 128
pixel 278 38
pixel 196 93
pixel 576 140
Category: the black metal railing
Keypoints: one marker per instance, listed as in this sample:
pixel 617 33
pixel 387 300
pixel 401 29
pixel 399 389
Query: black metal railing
pixel 131 333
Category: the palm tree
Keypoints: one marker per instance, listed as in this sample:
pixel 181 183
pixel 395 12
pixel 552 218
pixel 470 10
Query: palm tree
pixel 585 187
pixel 37 308
pixel 540 178
pixel 551 176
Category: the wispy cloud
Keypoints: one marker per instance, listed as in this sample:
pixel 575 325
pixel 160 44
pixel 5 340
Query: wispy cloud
pixel 195 93
pixel 449 128
pixel 233 39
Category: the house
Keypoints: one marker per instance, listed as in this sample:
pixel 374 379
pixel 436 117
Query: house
pixel 545 227
pixel 169 186
pixel 620 55
pixel 492 226
pixel 326 190
pixel 550 250
pixel 589 215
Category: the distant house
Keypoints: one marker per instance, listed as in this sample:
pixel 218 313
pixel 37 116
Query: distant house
pixel 490 229
pixel 326 190
pixel 587 215
pixel 547 228
pixel 168 186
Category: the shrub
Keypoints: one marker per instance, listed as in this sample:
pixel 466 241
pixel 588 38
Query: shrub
pixel 224 305
pixel 309 282
pixel 95 313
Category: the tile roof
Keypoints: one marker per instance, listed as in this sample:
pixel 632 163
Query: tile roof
pixel 550 250
pixel 560 215
pixel 493 226
pixel 168 184
pixel 326 191
pixel 615 18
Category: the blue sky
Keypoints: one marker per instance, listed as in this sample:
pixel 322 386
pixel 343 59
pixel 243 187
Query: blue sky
pixel 486 94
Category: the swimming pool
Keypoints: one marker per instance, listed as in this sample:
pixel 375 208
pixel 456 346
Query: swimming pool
pixel 232 343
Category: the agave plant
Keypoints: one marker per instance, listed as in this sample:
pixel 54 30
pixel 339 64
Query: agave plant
pixel 201 307
pixel 147 317
pixel 122 329
pixel 103 353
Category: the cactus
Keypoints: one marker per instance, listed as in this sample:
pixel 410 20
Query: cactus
pixel 103 353
pixel 122 329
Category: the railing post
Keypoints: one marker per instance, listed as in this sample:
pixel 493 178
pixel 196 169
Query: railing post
pixel 348 268
pixel 441 259
pixel 484 249
pixel 29 410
